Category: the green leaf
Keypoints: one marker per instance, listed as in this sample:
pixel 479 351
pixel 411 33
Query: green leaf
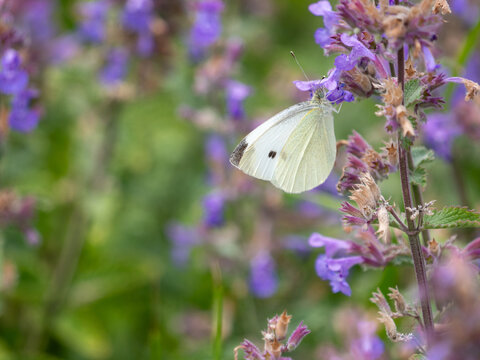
pixel 413 92
pixel 452 217
pixel 418 176
pixel 421 155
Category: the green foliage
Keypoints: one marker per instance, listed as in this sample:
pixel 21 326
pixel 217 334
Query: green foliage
pixel 420 157
pixel 452 217
pixel 413 92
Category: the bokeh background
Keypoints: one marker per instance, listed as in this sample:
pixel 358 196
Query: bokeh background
pixel 124 261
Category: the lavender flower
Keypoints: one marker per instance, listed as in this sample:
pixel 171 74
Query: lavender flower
pixel 332 246
pixel 213 206
pixel 330 21
pixel 336 271
pixel 439 133
pixel 13 79
pixel 206 28
pixel 37 22
pixel 137 17
pixel 216 149
pixel 183 239
pixel 93 24
pixel 21 117
pixel 236 93
pixel 115 68
pixel 263 278
pixel 368 345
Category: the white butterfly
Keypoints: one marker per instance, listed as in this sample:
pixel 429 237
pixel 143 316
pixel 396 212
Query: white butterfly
pixel 295 150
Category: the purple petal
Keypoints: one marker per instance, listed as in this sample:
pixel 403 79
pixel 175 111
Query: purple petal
pixel 320 8
pixel 311 85
pixel 332 246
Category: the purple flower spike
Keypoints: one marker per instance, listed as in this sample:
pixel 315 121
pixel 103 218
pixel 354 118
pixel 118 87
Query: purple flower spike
pixel 183 239
pixel 115 69
pixel 263 277
pixel 13 79
pixel 215 149
pixel 332 246
pixel 92 27
pixel 297 336
pixel 22 118
pixel 207 27
pixel 213 205
pixel 236 93
pixel 439 133
pixel 137 17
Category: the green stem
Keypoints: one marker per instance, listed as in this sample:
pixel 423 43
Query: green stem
pixel 218 310
pixel 415 246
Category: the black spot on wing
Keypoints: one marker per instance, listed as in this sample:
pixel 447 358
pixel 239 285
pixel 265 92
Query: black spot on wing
pixel 237 154
pixel 272 154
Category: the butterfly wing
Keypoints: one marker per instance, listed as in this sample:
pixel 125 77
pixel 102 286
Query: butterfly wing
pixel 308 156
pixel 258 153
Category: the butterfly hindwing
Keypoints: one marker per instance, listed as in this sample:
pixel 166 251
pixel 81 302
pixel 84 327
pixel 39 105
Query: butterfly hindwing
pixel 308 155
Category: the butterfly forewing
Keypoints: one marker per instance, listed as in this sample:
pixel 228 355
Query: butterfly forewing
pixel 258 153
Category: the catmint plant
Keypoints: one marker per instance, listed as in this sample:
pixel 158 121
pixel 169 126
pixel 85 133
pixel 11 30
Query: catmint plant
pixel 387 50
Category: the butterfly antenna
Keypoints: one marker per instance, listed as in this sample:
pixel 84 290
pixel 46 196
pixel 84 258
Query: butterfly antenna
pixel 300 66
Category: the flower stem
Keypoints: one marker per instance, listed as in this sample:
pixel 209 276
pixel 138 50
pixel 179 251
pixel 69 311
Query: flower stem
pixel 415 246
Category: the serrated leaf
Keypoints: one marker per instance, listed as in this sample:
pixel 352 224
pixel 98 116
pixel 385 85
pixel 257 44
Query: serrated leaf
pixel 413 91
pixel 418 177
pixel 452 217
pixel 421 155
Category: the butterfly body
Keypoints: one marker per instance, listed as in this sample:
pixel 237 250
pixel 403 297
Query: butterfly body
pixel 295 150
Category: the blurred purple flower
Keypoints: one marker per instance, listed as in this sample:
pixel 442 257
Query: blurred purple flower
pixel 439 133
pixel 206 28
pixel 236 93
pixel 336 271
pixel 137 17
pixel 368 346
pixel 115 68
pixel 263 277
pixel 216 149
pixel 467 10
pixel 93 23
pixel 21 117
pixel 213 206
pixel 36 18
pixel 13 79
pixel 297 244
pixel 63 49
pixel 183 238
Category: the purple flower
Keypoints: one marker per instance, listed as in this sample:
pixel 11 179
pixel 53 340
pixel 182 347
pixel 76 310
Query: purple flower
pixel 368 346
pixel 336 271
pixel 63 49
pixel 115 68
pixel 213 206
pixel 340 95
pixel 330 21
pixel 13 79
pixel 236 93
pixel 21 117
pixel 468 10
pixel 297 336
pixel 297 244
pixel 93 24
pixel 332 246
pixel 429 60
pixel 263 277
pixel 439 133
pixel 137 17
pixel 206 28
pixel 37 20
pixel 183 239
